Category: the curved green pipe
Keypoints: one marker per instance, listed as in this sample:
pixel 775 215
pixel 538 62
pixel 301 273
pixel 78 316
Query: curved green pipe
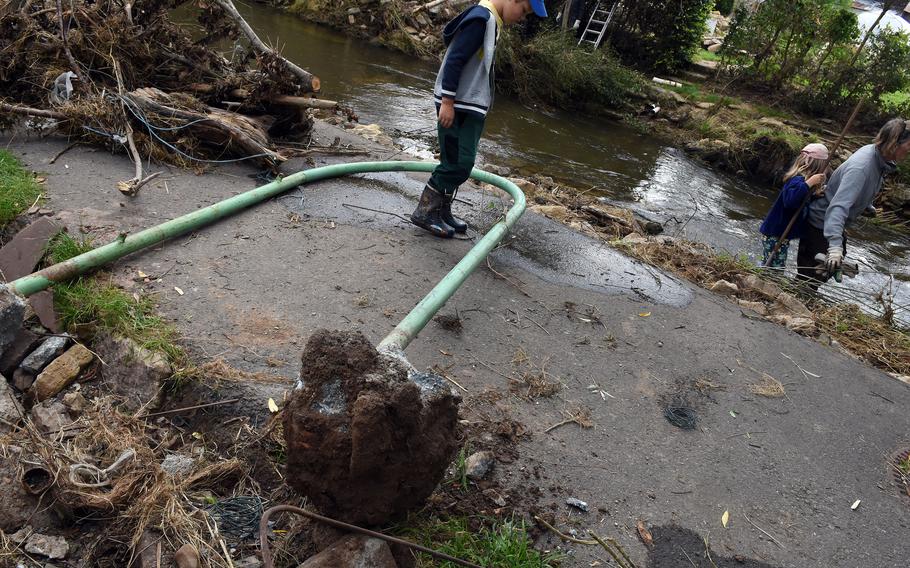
pixel 403 333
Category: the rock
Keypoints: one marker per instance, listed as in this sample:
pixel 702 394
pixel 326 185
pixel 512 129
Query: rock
pixel 764 287
pixel 132 372
pixel 773 122
pixel 147 551
pixel 75 403
pixel 635 239
pixel 555 212
pixel 704 105
pixel 61 372
pixel 653 228
pixel 12 312
pixel 714 48
pixel 788 304
pixel 187 556
pixel 725 288
pixel 10 410
pixel 20 255
pixel 577 503
pixel 528 187
pixel 53 547
pixel 50 417
pixel 24 343
pixel 178 465
pixel 49 350
pixel 479 465
pixel 354 10
pixel 354 551
pixel 23 379
pixel 368 438
pixel 248 562
pixel 757 307
pixel 804 326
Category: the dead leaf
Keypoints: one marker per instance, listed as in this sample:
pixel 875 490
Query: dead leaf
pixel 644 534
pixel 273 408
pixel 644 314
pixel 725 518
pixel 40 179
pixel 855 504
pixel 142 274
pixel 178 290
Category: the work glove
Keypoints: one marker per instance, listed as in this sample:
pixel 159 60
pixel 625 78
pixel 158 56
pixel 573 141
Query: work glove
pixel 834 259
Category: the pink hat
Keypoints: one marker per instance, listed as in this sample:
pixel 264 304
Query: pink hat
pixel 816 151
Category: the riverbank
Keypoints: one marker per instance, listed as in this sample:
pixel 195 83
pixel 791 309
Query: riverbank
pixel 730 131
pixel 558 329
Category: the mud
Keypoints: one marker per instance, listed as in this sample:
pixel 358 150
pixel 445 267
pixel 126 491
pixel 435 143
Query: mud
pixel 366 443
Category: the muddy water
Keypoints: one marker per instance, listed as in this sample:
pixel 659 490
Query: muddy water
pixel 618 163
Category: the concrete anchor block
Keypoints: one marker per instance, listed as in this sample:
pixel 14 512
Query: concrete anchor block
pixel 61 372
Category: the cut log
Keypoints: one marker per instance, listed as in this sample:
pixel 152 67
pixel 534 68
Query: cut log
pixel 308 81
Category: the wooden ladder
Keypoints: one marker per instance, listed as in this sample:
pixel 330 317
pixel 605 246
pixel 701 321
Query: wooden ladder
pixel 597 25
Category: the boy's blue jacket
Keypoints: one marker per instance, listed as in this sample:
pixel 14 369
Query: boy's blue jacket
pixel 466 73
pixel 787 203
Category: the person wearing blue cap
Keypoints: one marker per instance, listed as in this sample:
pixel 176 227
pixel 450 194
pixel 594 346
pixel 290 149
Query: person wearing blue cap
pixel 463 95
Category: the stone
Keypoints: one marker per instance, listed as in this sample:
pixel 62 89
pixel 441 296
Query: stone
pixel 61 372
pixel 75 403
pixel 494 497
pixel 50 417
pixel 764 287
pixel 714 48
pixel 757 307
pixel 526 186
pixel 53 547
pixel 178 465
pixel 11 411
pixel 788 304
pixel 351 19
pixel 12 314
pixel 187 556
pixel 479 465
pixel 49 350
pixel 132 372
pixel 555 212
pixel 577 503
pixel 773 122
pixel 368 437
pixel 43 305
pixel 147 551
pixel 635 239
pixel 23 379
pixel 804 326
pixel 354 551
pixel 704 105
pixel 353 10
pixel 725 288
pixel 25 342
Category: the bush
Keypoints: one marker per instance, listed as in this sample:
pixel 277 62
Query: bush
pixel 549 68
pixel 724 6
pixel 661 34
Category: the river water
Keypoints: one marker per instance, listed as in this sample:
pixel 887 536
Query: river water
pixel 620 164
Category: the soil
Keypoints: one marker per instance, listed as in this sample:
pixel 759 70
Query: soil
pixel 793 465
pixel 366 444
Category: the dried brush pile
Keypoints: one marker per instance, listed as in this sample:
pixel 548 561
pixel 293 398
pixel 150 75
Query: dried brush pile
pixel 122 74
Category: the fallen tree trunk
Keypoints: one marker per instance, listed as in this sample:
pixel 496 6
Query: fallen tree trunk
pixel 240 136
pixel 309 82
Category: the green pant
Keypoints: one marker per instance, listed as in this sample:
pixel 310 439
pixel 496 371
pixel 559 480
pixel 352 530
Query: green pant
pixel 457 151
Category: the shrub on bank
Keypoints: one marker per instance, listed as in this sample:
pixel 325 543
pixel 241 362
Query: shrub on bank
pixel 549 68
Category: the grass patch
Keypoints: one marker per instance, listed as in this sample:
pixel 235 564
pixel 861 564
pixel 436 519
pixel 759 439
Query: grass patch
pixel 695 93
pixel 18 188
pixel 495 544
pixel 89 302
pixel 705 55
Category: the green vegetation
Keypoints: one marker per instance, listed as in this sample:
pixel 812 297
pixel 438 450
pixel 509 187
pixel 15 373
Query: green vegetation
pixel 548 68
pixel 495 544
pixel 702 54
pixel 807 52
pixel 18 188
pixel 91 302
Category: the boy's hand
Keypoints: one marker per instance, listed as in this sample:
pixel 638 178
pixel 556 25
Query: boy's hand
pixel 447 112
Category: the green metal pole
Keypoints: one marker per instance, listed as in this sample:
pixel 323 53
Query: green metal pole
pixel 403 333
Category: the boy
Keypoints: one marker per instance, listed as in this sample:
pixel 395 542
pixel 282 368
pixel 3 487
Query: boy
pixel 463 95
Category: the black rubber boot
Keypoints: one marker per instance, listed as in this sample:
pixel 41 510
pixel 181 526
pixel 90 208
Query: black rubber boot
pixel 446 213
pixel 427 215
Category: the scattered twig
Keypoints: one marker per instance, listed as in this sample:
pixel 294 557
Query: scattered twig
pixel 805 373
pixel 66 45
pixel 564 536
pixel 506 278
pixel 610 551
pixel 220 402
pixel 402 217
pixel 582 417
pixel 687 556
pixel 766 533
pixel 873 393
pixel 64 151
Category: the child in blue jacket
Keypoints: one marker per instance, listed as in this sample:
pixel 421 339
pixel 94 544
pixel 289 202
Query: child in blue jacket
pixel 463 94
pixel 807 174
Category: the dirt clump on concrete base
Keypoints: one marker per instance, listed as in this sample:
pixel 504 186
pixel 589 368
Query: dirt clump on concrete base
pixel 367 440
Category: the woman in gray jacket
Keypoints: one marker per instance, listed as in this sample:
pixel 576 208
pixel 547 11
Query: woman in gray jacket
pixel 850 191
